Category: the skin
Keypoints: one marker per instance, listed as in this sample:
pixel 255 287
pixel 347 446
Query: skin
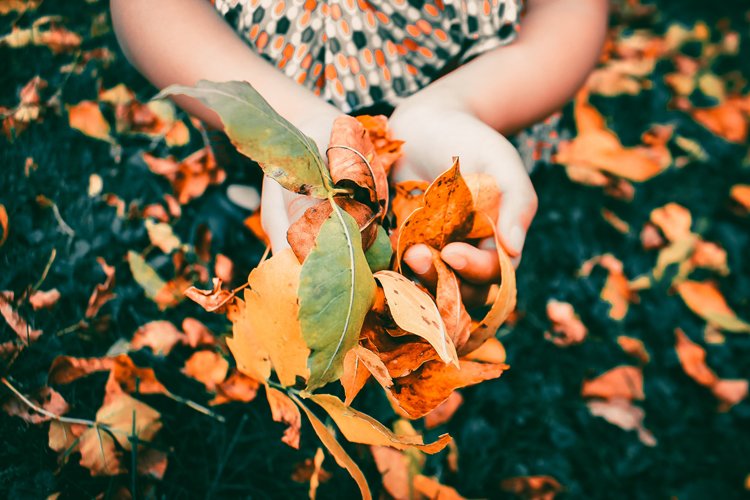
pixel 466 113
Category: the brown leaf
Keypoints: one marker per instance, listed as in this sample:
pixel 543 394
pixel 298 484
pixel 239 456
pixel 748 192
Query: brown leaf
pixel 693 360
pixel 208 367
pixel 409 196
pixel 634 347
pixel 284 410
pixel 15 321
pixel 709 255
pixel 401 354
pixel 103 292
pixel 189 177
pixel 740 193
pixel 532 487
pixel 431 489
pixel 87 118
pixel 63 436
pixel 394 470
pixel 224 268
pixel 567 328
pixel 66 369
pixel 4 224
pixel 447 214
pixel 214 300
pixel 348 168
pixel 450 303
pixel 622 413
pixel 236 387
pixel 617 290
pixel 414 312
pixel 354 377
pixel 44 300
pixel 444 412
pixel 197 333
pixel 45 398
pixel 387 149
pixel 131 378
pixel 705 300
pixel 491 351
pixel 621 382
pixel 304 231
pixel 160 336
pixel 425 389
pixel 360 428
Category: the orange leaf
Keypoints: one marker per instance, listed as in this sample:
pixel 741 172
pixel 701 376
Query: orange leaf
pixel 15 321
pixel 254 225
pixel 387 149
pixel 425 389
pixel 66 369
pixel 401 354
pixel 726 120
pixel 214 300
pixel 354 377
pixel 208 367
pixel 739 193
pixel 621 382
pixel 693 360
pixel 487 198
pixel 414 312
pixel 449 302
pixel 432 489
pixel 44 300
pixel 634 347
pixel 532 487
pixel 237 387
pixel 87 118
pixel 444 412
pixel 3 224
pixel 674 221
pixel 567 328
pixel 44 397
pixel 131 378
pixel 160 336
pixel 409 196
pixel 394 469
pixel 189 177
pixel 197 333
pixel 623 414
pixel 617 290
pixel 729 392
pixel 447 214
pixel 705 300
pixel 284 410
pixel 102 292
pixel 491 351
pixel 360 428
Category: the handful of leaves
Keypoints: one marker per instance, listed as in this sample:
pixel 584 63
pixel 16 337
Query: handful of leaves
pixel 337 307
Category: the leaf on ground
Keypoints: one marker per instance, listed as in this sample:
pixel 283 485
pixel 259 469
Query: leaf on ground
pixel 197 333
pixel 414 311
pixel 18 324
pixel 447 214
pixel 673 220
pixel 360 428
pixel 450 303
pixel 103 292
pixel 215 300
pixel 428 487
pixel 45 397
pixel 67 369
pixel 444 412
pixel 532 487
pixel 338 453
pixel 4 224
pixel 160 336
pixel 236 387
pixel 740 193
pixel 634 347
pixel 128 377
pixel 567 328
pixel 161 236
pixel 425 389
pixel 271 316
pixel 284 153
pixel 44 299
pixel 87 118
pixel 351 170
pixel 622 413
pixel 617 290
pixel 284 410
pixel 705 300
pixel 302 234
pixel 155 288
pixel 394 469
pixel 207 367
pixel 123 417
pixel 624 382
pixel 335 292
pixel 191 176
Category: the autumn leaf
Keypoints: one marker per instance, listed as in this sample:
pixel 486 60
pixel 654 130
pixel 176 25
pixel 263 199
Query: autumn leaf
pixel 67 369
pixel 284 410
pixel 215 300
pixel 444 412
pixel 284 153
pixel 191 176
pixel 532 487
pixel 450 302
pixel 102 292
pixel 567 328
pixel 88 119
pixel 705 300
pixel 42 299
pixel 162 236
pixel 164 294
pixel 160 336
pixel 414 311
pixel 335 292
pixel 401 354
pixel 617 290
pixel 387 149
pixel 740 193
pixel 428 487
pixel 622 413
pixel 128 377
pixel 624 382
pixel 354 376
pixel 379 254
pixel 18 324
pixel 45 398
pixel 360 428
pixel 634 347
pixel 335 449
pixel 425 389
pixel 236 387
pixel 4 224
pixel 271 314
pixel 395 471
pixel 207 367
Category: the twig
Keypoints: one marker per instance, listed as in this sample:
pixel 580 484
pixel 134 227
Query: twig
pixel 46 270
pixel 47 413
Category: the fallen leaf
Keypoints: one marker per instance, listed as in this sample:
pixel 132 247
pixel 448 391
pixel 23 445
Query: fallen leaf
pixel 360 428
pixel 634 347
pixel 44 299
pixel 450 303
pixel 567 328
pixel 414 312
pixel 162 236
pixel 284 410
pixel 740 193
pixel 133 379
pixel 336 290
pixel 66 369
pixel 103 292
pixel 208 367
pixel 46 398
pixel 425 389
pixel 673 220
pixel 617 291
pixel 153 285
pixel 86 117
pixel 394 470
pixel 191 176
pixel 705 300
pixel 271 315
pixel 4 224
pixel 214 300
pixel 532 487
pixel 624 382
pixel 284 153
pixel 25 333
pixel 729 392
pixel 236 387
pixel 622 413
pixel 444 412
pixel 197 333
pixel 152 463
pixel 430 488
pixel 160 336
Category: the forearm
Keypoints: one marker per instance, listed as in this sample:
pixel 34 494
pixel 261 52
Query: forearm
pixel 514 86
pixel 183 41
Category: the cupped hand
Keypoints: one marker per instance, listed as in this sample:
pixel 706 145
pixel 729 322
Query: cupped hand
pixel 280 208
pixel 436 129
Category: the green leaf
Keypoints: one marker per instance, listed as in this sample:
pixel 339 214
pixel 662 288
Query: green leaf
pixel 380 252
pixel 145 275
pixel 335 292
pixel 283 152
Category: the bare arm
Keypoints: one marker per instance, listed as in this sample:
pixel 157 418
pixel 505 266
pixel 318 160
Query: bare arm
pixel 183 41
pixel 514 86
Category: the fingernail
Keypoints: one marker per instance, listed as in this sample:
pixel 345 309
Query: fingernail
pixel 419 260
pixel 516 237
pixel 455 260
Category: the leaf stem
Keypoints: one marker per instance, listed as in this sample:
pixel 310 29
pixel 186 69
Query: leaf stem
pixel 47 413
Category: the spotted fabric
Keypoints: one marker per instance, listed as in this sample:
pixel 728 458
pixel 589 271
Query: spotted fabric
pixel 361 53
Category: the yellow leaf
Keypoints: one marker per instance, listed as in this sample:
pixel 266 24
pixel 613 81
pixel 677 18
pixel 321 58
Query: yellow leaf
pixel 87 118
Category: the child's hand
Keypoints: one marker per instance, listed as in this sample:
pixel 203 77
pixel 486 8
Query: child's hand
pixel 434 130
pixel 279 207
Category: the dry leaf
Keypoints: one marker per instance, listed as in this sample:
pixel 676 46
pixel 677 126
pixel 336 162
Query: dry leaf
pixel 103 292
pixel 444 412
pixel 394 469
pixel 622 413
pixel 162 236
pixel 567 328
pixel 214 300
pixel 705 300
pixel 492 351
pixel 208 367
pixel 189 177
pixel 236 387
pixel 431 489
pixel 15 321
pixel 284 410
pixel 87 118
pixel 624 382
pixel 46 398
pixel 634 347
pixel 617 290
pixel 66 369
pixel 532 487
pixel 44 300
pixel 387 149
pixel 197 333
pixel 160 336
pixel 354 377
pixel 4 224
pixel 450 303
pixel 740 193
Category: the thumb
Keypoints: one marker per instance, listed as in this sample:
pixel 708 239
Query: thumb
pixel 517 209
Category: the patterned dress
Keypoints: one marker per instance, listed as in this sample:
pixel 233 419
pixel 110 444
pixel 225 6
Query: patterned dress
pixel 368 54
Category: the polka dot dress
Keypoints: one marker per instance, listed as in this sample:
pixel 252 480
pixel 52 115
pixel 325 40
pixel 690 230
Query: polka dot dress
pixel 361 53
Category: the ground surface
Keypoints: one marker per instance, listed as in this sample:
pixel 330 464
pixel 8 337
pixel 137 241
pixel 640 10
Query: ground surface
pixel 532 421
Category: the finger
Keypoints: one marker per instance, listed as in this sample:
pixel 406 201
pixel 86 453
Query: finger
pixel 472 264
pixel 419 259
pixel 273 216
pixel 474 295
pixel 517 208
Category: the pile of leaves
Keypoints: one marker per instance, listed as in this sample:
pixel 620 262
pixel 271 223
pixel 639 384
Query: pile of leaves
pixel 628 344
